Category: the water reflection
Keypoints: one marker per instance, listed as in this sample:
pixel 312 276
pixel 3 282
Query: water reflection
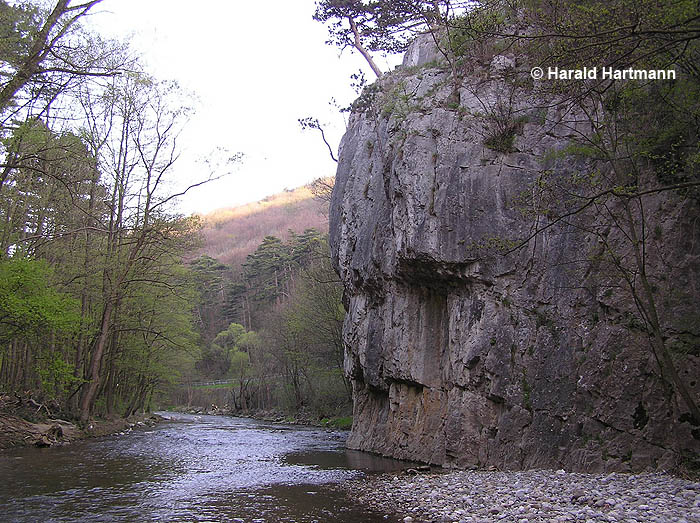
pixel 346 459
pixel 192 468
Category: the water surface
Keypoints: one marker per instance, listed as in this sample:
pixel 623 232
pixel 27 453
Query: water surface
pixel 191 468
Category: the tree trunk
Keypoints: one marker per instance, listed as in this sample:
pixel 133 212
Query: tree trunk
pixel 90 390
pixel 357 43
pixel 647 307
pixel 78 370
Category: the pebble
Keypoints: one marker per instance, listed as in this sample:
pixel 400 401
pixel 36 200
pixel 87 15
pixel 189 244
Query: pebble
pixel 531 496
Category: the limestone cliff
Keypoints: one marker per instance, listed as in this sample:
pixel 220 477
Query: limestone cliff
pixel 460 355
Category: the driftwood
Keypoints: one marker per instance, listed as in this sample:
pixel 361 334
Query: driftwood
pixel 33 403
pixel 39 406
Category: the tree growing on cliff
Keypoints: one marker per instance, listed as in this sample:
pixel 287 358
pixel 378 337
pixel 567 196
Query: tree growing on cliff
pixel 384 26
pixel 632 171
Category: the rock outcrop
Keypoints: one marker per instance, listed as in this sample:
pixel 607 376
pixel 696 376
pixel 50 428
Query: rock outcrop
pixel 461 355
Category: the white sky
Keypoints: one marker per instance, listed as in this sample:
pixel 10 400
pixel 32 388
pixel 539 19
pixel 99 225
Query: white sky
pixel 256 67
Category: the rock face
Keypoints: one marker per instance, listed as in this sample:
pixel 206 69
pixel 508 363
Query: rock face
pixel 465 357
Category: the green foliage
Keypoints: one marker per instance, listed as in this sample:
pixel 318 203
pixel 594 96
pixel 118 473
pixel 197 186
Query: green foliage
pixel 294 358
pixel 466 32
pixel 501 141
pixel 213 281
pixel 365 101
pixel 92 289
pixel 397 102
pixel 643 33
pixel 230 338
pixel 56 374
pixel 634 155
pixel 382 25
pixel 18 23
pixel 269 271
pixel 340 423
pixel 29 305
pixel 662 121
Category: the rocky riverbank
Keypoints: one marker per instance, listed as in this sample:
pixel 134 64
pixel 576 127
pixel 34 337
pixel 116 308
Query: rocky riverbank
pixel 18 432
pixel 481 496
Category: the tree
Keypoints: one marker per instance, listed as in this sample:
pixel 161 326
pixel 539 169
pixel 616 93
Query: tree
pixel 31 310
pixel 384 25
pixel 36 41
pixel 49 173
pixel 322 189
pixel 157 338
pixel 632 172
pixel 98 304
pixel 266 270
pixel 133 133
pixel 313 123
pixel 230 338
pixel 213 281
pixel 295 358
pixel 29 303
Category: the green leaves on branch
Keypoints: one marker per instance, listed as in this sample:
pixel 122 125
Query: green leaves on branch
pixel 29 304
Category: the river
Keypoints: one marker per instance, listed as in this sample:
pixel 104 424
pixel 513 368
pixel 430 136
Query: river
pixel 191 468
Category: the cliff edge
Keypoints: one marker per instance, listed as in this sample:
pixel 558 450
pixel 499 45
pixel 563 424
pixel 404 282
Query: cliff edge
pixel 465 351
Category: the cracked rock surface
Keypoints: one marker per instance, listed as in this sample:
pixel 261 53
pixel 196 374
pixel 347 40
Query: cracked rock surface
pixel 464 357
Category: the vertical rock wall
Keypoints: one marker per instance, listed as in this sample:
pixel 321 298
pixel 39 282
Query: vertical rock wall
pixel 461 356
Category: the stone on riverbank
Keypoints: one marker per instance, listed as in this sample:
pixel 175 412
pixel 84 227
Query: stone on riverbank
pixel 537 495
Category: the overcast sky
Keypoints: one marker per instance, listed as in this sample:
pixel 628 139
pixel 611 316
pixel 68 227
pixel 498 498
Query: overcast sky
pixel 256 67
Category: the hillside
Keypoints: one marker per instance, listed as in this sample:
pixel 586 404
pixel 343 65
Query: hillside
pixel 231 234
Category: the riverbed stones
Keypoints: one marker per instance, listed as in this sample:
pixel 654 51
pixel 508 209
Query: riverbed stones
pixel 475 496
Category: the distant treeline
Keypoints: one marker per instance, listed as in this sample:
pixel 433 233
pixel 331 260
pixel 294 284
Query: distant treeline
pixel 274 328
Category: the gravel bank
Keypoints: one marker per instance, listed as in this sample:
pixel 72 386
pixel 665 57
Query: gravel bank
pixel 533 496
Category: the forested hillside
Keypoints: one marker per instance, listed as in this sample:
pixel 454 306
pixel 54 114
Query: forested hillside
pixel 231 234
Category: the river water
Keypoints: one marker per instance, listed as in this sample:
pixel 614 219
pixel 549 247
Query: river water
pixel 191 468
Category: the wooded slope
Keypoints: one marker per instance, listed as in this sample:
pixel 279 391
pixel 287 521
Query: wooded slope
pixel 231 234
